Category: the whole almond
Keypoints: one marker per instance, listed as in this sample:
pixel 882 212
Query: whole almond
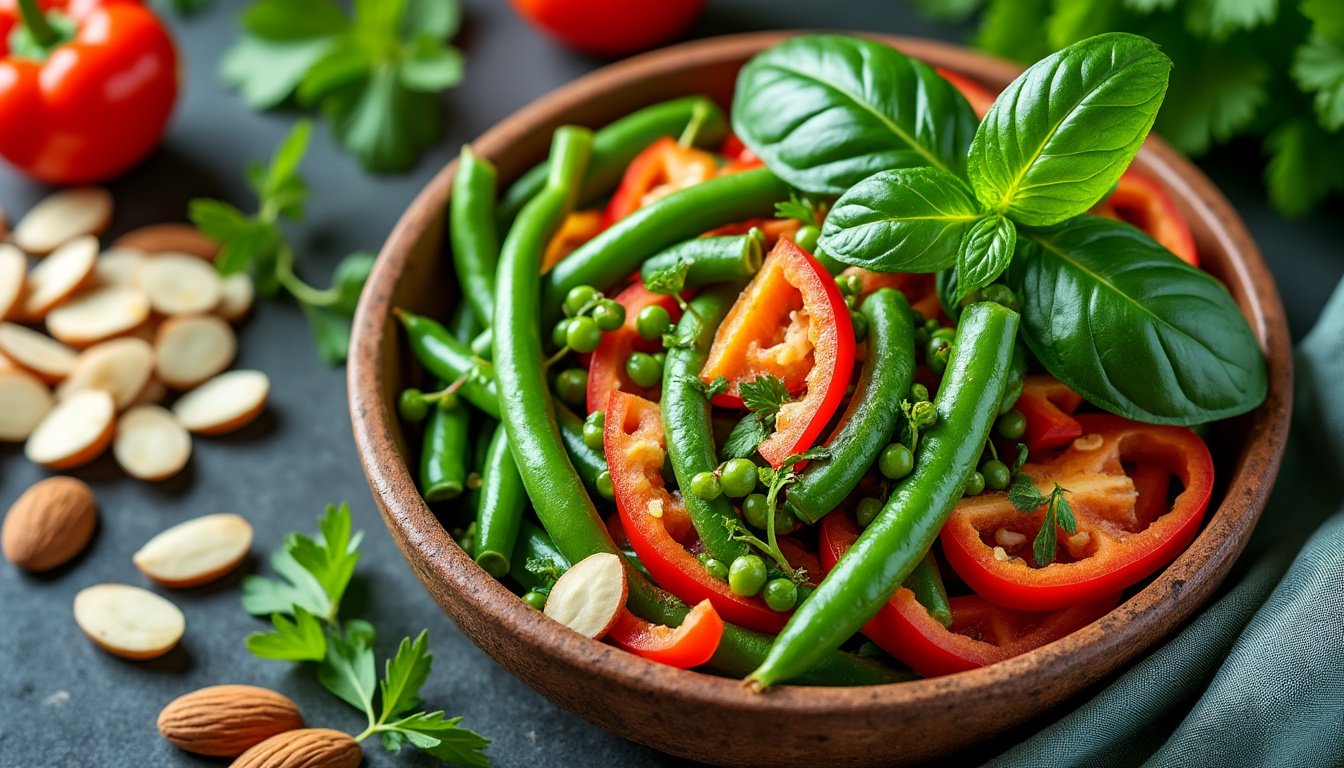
pixel 49 524
pixel 227 720
pixel 304 748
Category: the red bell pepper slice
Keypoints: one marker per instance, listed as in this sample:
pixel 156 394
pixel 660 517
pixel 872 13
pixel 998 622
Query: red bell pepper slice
pixel 1140 200
pixel 981 633
pixel 578 228
pixel 634 443
pixel 100 100
pixel 606 367
pixel 1046 404
pixel 1113 548
pixel 664 166
pixel 689 645
pixel 790 322
pixel 980 98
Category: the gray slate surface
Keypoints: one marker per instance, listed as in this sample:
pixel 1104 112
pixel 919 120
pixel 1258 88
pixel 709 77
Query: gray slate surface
pixel 64 703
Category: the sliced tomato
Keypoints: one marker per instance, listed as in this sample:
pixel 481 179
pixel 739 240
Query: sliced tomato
pixel 980 97
pixel 689 645
pixel 1141 200
pixel 1047 405
pixel 1113 547
pixel 664 166
pixel 606 367
pixel 634 443
pixel 578 228
pixel 981 632
pixel 791 322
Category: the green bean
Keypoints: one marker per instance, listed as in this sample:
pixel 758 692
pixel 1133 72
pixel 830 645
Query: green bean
pixel 471 229
pixel 615 145
pixel 500 509
pixel 891 546
pixel 443 457
pixel 927 584
pixel 534 544
pixel 712 259
pixel 450 360
pixel 587 462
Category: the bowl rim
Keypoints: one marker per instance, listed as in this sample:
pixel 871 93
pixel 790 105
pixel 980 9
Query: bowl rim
pixel 1102 645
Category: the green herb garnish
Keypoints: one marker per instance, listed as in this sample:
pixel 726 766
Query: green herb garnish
pixel 1024 495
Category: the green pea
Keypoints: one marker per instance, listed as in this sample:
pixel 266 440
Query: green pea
pixel 806 237
pixel 1011 425
pixel 944 333
pixel 746 576
pixel 780 594
pixel 412 405
pixel 445 401
pixel 572 386
pixel 603 484
pixel 921 338
pixel 756 510
pixel 849 285
pixel 975 484
pixel 594 429
pixel 996 474
pixel 652 322
pixel 643 369
pixel 1000 294
pixel 932 325
pixel 852 301
pixel 579 297
pixel 661 357
pixel 738 477
pixel 937 361
pixel 867 510
pixel 706 486
pixel 560 334
pixel 717 569
pixel 609 315
pixel 583 335
pixel 896 461
pixel 919 393
pixel 860 323
pixel 535 599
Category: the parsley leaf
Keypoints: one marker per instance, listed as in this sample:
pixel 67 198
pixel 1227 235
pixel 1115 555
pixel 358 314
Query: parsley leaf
pixel 297 639
pixel 404 675
pixel 764 395
pixel 1218 19
pixel 298 589
pixel 1027 498
pixel 443 738
pixel 747 434
pixel 668 281
pixel 348 669
pixel 1318 68
pixel 1218 95
pixel 800 208
pixel 1305 165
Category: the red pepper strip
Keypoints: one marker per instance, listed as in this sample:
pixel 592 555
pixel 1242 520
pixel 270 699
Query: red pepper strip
pixel 1153 483
pixel 578 228
pixel 98 103
pixel 980 98
pixel 664 166
pixel 791 322
pixel 688 645
pixel 1047 404
pixel 739 157
pixel 1141 200
pixel 606 367
pixel 981 632
pixel 1112 549
pixel 635 446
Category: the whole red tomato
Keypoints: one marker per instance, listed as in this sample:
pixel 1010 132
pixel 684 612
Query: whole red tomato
pixel 610 27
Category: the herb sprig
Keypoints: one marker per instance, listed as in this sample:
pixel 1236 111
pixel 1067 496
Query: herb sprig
pixel 763 397
pixel 776 480
pixel 1027 498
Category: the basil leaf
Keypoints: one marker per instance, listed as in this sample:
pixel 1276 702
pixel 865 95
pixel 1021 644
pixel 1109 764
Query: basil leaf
pixel 1131 327
pixel 1062 133
pixel 984 254
pixel 826 111
pixel 910 220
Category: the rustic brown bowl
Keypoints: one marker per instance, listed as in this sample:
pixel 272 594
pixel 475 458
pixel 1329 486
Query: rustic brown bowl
pixel 715 719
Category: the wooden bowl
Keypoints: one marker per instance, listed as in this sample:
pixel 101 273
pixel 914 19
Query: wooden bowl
pixel 716 719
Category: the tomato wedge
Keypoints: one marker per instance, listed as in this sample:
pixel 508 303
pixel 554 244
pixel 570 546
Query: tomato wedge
pixel 981 632
pixel 664 166
pixel 1047 405
pixel 689 645
pixel 635 446
pixel 1140 200
pixel 980 98
pixel 578 228
pixel 1113 548
pixel 790 322
pixel 606 367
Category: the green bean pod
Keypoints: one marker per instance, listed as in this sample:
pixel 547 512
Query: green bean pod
pixel 927 584
pixel 533 543
pixel 443 456
pixel 686 422
pixel 472 232
pixel 892 545
pixel 867 425
pixel 616 144
pixel 449 359
pixel 712 259
pixel 500 509
pixel 587 462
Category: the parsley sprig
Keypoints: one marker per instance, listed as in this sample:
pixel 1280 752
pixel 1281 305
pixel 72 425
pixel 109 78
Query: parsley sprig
pixel 1027 498
pixel 763 396
pixel 671 281
pixel 304 607
pixel 256 244
pixel 801 208
pixel 776 480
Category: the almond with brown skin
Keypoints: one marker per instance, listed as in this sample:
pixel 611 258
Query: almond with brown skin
pixel 49 524
pixel 304 748
pixel 227 720
pixel 170 238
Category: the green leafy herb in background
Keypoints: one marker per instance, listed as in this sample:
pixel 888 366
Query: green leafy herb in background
pixel 1242 68
pixel 256 244
pixel 375 75
pixel 304 608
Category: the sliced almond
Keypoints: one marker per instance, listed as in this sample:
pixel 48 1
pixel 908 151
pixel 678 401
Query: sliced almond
pixel 129 622
pixel 76 431
pixel 225 403
pixel 58 276
pixel 37 353
pixel 119 266
pixel 62 217
pixel 50 524
pixel 588 598
pixel 13 274
pixel 24 402
pixel 236 294
pixel 6 365
pixel 153 393
pixel 172 237
pixel 178 284
pixel 98 314
pixel 150 443
pixel 120 367
pixel 191 349
pixel 195 552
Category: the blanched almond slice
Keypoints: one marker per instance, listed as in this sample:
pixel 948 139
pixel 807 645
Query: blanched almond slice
pixel 119 266
pixel 24 402
pixel 129 622
pixel 151 444
pixel 98 314
pixel 235 296
pixel 13 274
pixel 58 276
pixel 589 596
pixel 62 217
pixel 195 552
pixel 178 284
pixel 75 432
pixel 170 238
pixel 45 357
pixel 120 367
pixel 225 403
pixel 192 349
